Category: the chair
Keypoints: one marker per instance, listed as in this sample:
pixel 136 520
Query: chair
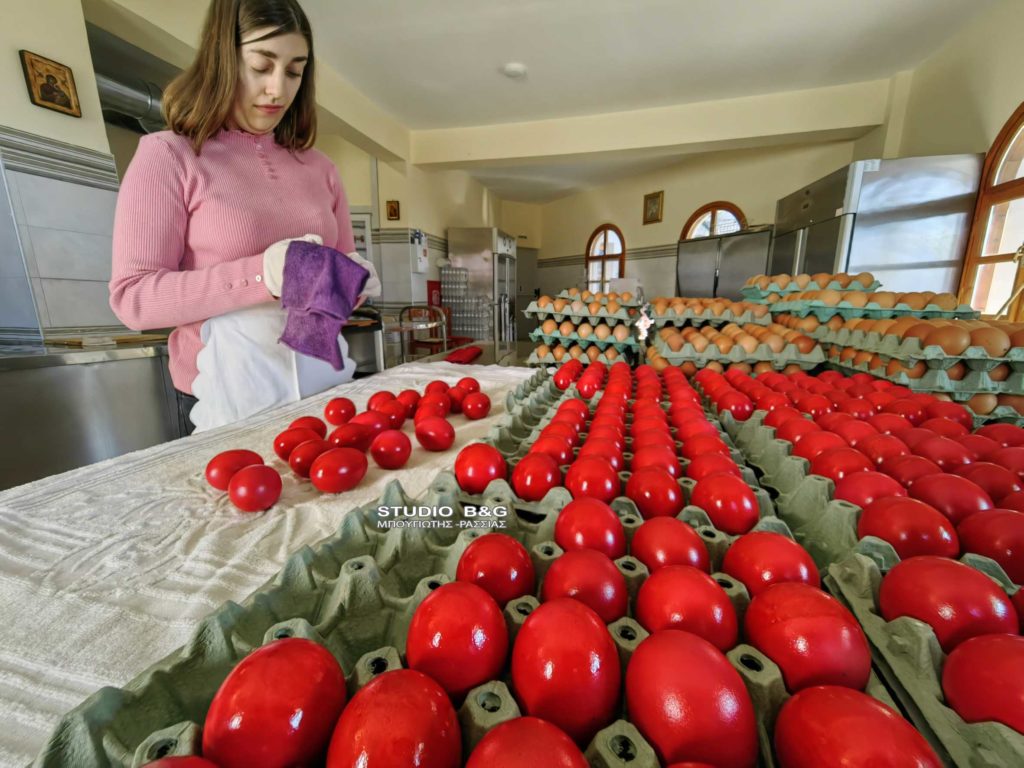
pixel 423 318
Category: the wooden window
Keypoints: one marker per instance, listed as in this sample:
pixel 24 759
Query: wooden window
pixel 718 218
pixel 992 278
pixel 606 258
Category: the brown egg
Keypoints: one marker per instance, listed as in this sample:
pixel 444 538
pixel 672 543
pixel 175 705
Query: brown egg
pixel 576 351
pixel 675 342
pixel 875 363
pixel 688 368
pixel 714 365
pixel 626 296
pixel 881 327
pixel 587 296
pixel 902 325
pixel 774 342
pixel 919 331
pixel 724 343
pixel 731 330
pixel 762 282
pixel 595 307
pixel 543 301
pixel 593 353
pixel 558 353
pixel 863 357
pixel 549 326
pixel 1017 338
pixel 574 291
pixel 805 344
pixel 834 323
pixel 994 341
pixel 884 299
pixel 772 298
pixel 946 301
pixel 802 280
pixel 914 300
pixel 866 325
pixel 864 278
pixel 620 332
pixel 700 343
pixel 602 331
pixel 830 297
pixel 612 295
pixel 781 281
pixel 791 369
pixel 578 307
pixel 762 367
pixel 611 354
pixel 613 306
pixel 807 324
pixel 748 342
pixel 856 298
pixel 983 404
pixel 560 305
pixel 542 351
pixel 847 355
pixel 718 308
pixel 1000 372
pixel 651 353
pixel 834 351
pixel 566 328
pixel 952 339
pixel 660 364
pixel 956 372
pixel 1013 401
pixel 585 330
pixel 844 280
pixel 600 295
pixel 821 279
pixel 660 306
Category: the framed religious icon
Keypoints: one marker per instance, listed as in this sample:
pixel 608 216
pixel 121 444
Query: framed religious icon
pixel 652 207
pixel 50 84
pixel 393 210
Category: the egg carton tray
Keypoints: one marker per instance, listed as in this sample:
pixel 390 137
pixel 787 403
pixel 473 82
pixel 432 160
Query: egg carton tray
pixel 909 660
pixel 689 317
pixel 575 338
pixel 355 593
pixel 540 381
pixel 610 318
pixel 871 310
pixel 604 300
pixel 760 295
pixel 763 353
pixel 911 350
pixel 937 380
pixel 549 359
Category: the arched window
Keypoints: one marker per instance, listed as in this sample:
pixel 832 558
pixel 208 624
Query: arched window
pixel 718 218
pixel 992 273
pixel 606 257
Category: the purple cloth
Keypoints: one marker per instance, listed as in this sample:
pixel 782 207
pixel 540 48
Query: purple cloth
pixel 319 289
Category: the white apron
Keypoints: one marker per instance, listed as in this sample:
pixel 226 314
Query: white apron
pixel 243 369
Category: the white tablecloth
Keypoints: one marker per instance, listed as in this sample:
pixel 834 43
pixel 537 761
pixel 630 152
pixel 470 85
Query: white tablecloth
pixel 106 569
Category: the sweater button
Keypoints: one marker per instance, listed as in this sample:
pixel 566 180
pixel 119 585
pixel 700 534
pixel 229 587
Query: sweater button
pixel 227 286
pixel 259 278
pixel 244 282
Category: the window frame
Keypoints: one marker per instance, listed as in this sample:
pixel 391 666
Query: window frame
pixel 712 207
pixel 991 195
pixel 588 258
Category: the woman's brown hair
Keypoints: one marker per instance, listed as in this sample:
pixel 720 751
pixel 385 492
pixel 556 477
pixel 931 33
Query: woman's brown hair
pixel 197 103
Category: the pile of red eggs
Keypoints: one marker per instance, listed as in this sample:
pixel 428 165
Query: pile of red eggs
pixel 337 462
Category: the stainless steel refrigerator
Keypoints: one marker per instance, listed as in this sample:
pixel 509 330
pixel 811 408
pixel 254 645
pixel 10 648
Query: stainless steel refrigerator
pixel 489 256
pixel 720 265
pixel 905 220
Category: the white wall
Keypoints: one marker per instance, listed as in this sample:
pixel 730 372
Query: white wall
pixel 54 29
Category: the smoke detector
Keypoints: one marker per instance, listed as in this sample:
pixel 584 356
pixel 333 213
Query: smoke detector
pixel 514 70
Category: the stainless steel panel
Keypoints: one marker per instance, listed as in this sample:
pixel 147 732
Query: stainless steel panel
pixel 913 220
pixel 524 324
pixel 741 256
pixel 527 279
pixel 786 253
pixel 67 416
pixel 822 246
pixel 696 265
pixel 824 199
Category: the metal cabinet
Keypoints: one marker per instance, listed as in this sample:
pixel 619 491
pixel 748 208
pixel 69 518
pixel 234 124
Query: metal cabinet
pixel 719 266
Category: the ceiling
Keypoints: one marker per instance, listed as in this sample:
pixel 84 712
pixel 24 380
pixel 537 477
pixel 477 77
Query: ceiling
pixel 436 63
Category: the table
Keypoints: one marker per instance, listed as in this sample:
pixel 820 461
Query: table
pixel 108 568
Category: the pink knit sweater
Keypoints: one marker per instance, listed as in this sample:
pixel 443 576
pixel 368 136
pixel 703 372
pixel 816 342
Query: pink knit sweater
pixel 189 232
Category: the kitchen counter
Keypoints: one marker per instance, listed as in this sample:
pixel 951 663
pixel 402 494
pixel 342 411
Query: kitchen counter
pixel 108 568
pixel 22 357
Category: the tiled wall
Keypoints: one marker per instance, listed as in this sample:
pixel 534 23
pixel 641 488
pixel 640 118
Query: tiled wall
pixel 17 310
pixel 400 284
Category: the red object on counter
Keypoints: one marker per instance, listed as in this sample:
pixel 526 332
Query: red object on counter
pixel 464 355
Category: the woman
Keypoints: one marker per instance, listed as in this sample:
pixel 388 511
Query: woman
pixel 207 209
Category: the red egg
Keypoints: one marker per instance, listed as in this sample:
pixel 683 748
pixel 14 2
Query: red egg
pixel 954 496
pixel 881 448
pixel 526 742
pixel 854 432
pixel 458 637
pixel 499 565
pixel 1011 458
pixel 910 526
pixel 556 447
pixel 908 409
pixel 761 559
pixel 948 454
pixel 739 405
pixel 1005 434
pixel 837 463
pixel 834 726
pixel 689 703
pixel 794 429
pixel 593 476
pixel 945 427
pixel 999 534
pixel 811 636
pixel 906 469
pixel 953 411
pixel 588 523
pixel 890 423
pixel 957 601
pixel 861 488
pixel 709 464
pixel 565 668
pixel 339 410
pixel 728 501
pixel 998 482
pixel 682 597
pixel 983 680
pixel 814 443
pixel 535 475
pixel 655 492
pixel 477 465
pixel 1014 501
pixel 664 541
pixel 590 577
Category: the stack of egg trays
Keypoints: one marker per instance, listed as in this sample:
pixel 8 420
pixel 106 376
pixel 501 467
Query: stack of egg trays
pixel 549 359
pixel 788 356
pixel 824 312
pixel 575 338
pixel 603 316
pixel 908 658
pixel 355 593
pixel 759 296
pixel 540 381
pixel 689 317
pixel 603 300
pixel 937 380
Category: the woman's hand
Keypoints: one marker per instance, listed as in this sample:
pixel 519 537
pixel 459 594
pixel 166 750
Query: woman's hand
pixel 274 258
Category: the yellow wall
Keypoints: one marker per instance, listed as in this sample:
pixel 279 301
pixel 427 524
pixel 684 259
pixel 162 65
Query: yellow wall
pixel 353 167
pixel 523 221
pixel 435 200
pixel 752 179
pixel 963 93
pixel 123 144
pixel 54 29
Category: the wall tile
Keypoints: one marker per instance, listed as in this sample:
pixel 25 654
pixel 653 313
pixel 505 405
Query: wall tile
pixel 65 205
pixel 71 255
pixel 78 302
pixel 16 307
pixel 41 307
